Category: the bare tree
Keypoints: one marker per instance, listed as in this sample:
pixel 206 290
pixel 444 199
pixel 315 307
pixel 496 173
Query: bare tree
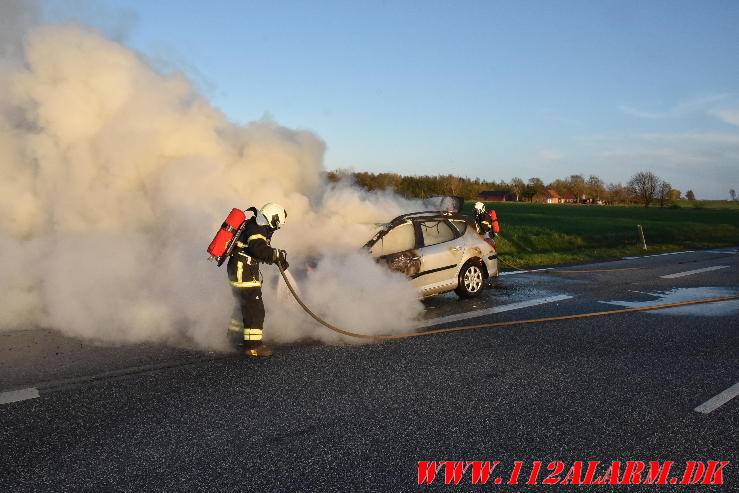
pixel 663 192
pixel 732 194
pixel 594 187
pixel 577 186
pixel 616 193
pixel 643 186
pixel 518 186
pixel 690 195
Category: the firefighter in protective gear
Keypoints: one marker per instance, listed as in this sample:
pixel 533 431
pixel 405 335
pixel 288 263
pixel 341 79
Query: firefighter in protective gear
pixel 253 247
pixel 482 220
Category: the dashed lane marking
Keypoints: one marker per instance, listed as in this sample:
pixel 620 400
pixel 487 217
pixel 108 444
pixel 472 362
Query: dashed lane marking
pixel 718 400
pixel 659 255
pixel 497 309
pixel 696 271
pixel 18 395
pixel 514 272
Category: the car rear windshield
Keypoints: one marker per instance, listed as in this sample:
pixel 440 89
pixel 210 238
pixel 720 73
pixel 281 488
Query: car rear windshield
pixel 435 232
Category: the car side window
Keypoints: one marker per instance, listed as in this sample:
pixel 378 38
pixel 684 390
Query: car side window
pixel 460 225
pixel 435 232
pixel 399 239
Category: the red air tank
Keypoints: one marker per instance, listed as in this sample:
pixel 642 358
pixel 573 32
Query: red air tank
pixel 494 219
pixel 225 235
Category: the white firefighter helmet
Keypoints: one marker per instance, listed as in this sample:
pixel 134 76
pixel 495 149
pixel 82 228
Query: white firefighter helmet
pixel 275 214
pixel 479 207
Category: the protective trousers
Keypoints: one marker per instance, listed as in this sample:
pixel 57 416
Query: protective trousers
pixel 248 317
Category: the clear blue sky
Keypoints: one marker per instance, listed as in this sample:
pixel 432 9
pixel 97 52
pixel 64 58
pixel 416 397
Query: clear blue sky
pixel 478 88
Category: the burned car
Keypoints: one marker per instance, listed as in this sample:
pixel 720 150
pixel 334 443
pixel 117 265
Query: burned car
pixel 439 251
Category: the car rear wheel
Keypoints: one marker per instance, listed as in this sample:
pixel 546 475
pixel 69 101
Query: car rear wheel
pixel 471 280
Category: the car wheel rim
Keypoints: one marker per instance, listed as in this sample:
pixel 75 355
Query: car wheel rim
pixel 473 279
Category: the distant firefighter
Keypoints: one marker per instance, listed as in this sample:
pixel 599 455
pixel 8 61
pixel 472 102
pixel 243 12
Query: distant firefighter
pixel 253 247
pixel 486 223
pixel 482 220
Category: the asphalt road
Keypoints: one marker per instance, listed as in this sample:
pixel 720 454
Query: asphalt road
pixel 360 418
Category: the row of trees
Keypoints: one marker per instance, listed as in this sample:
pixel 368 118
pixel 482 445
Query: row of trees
pixel 420 186
pixel 644 187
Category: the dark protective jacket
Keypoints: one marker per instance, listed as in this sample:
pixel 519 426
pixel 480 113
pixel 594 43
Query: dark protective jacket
pixel 483 222
pixel 251 248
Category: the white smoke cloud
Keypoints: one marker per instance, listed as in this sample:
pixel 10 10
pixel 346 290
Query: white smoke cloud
pixel 113 180
pixel 370 304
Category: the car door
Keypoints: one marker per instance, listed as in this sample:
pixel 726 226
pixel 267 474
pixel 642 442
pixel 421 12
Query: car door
pixel 397 249
pixel 441 252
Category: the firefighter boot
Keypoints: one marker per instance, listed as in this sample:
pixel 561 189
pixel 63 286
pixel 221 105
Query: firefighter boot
pixel 256 349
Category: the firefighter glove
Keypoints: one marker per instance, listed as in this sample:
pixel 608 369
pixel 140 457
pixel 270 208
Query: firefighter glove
pixel 281 258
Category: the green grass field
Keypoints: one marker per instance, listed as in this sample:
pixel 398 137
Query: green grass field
pixel 705 204
pixel 546 234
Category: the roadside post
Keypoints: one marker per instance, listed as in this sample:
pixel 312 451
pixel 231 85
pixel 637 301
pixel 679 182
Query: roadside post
pixel 641 235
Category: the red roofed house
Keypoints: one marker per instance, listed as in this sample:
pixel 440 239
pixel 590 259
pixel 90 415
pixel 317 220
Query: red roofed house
pixel 547 197
pixel 569 198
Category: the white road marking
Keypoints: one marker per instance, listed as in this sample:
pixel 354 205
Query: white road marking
pixel 497 309
pixel 696 271
pixel 677 295
pixel 725 252
pixel 523 271
pixel 659 254
pixel 18 395
pixel 718 400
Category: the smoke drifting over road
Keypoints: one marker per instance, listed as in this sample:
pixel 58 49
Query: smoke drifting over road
pixel 113 179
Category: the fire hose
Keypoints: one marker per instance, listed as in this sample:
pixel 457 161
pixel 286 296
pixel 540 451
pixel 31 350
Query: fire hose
pixel 494 324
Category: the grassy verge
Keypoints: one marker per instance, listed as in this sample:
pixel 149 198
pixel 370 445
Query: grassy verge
pixel 546 234
pixel 705 204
